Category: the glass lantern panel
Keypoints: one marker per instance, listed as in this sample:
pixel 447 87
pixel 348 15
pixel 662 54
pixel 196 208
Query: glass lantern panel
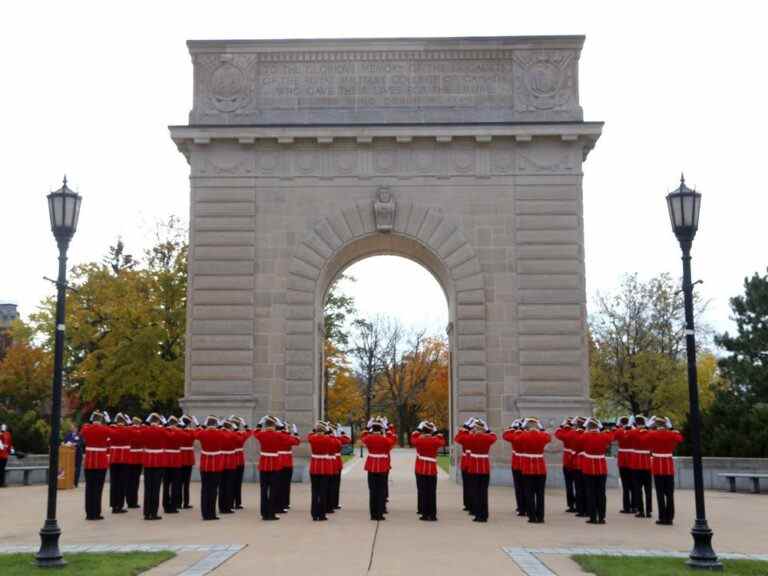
pixel 688 209
pixel 58 210
pixel 76 217
pixel 69 211
pixel 696 210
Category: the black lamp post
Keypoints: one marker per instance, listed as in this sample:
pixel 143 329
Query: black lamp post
pixel 64 210
pixel 684 205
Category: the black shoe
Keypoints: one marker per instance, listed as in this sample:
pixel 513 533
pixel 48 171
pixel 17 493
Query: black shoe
pixel 570 510
pixel 626 511
pixel 212 518
pixel 581 515
pixel 480 520
pixel 331 511
pixel 590 521
pixel 639 515
pixel 601 521
pixel 187 507
pixel 270 518
pixel 119 511
pixel 532 521
pixel 323 519
pixel 236 507
pixel 134 507
pixel 226 511
pixel 522 514
pixel 335 507
pixel 155 518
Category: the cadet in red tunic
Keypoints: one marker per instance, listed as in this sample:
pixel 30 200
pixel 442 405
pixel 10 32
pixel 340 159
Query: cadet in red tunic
pixel 466 479
pixel 641 465
pixel 377 464
pixel 624 462
pixel 531 446
pixel 563 434
pixel 594 469
pixel 427 442
pixel 479 443
pixel 134 464
pixel 187 425
pixel 512 435
pixel 172 473
pixel 119 460
pixel 663 441
pixel 334 482
pixel 579 487
pixel 271 442
pixel 96 436
pixel 153 437
pixel 321 467
pixel 243 434
pixel 285 476
pixel 6 449
pixel 229 445
pixel 209 438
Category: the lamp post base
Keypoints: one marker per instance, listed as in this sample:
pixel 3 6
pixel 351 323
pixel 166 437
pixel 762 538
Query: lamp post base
pixel 702 556
pixel 49 555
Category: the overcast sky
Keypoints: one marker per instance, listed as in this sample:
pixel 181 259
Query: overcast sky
pixel 89 89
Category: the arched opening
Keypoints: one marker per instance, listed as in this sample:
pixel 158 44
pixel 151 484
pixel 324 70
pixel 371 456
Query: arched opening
pixel 397 357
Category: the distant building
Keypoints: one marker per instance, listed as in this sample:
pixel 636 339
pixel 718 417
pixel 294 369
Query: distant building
pixel 8 313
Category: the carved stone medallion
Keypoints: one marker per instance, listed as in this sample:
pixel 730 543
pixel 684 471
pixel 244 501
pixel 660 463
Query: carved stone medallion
pixel 384 209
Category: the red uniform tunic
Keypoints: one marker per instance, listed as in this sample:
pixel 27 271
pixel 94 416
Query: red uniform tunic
pixel 242 438
pixel 6 444
pixel 174 438
pixel 210 450
pixel 576 439
pixel 154 439
pixel 187 447
pixel 641 456
pixel 530 450
pixel 271 442
pixel 565 435
pixel 120 445
pixel 513 437
pixel 338 462
pixel 663 444
pixel 625 457
pixel 137 446
pixel 322 460
pixel 286 454
pixel 465 454
pixel 379 448
pixel 426 453
pixel 479 444
pixel 594 445
pixel 96 437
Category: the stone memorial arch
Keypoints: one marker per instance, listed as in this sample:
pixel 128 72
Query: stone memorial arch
pixel 463 154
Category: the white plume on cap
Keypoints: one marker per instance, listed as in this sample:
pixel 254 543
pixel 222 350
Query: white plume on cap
pixel 3 428
pixel 194 419
pixel 295 429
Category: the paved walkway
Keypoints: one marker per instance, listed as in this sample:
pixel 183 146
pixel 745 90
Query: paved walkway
pixel 350 544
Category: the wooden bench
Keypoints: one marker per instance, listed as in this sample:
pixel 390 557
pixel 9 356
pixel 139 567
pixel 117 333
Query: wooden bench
pixel 754 477
pixel 27 470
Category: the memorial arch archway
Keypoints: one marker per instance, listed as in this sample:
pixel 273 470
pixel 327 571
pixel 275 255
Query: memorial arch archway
pixel 464 154
pixel 419 233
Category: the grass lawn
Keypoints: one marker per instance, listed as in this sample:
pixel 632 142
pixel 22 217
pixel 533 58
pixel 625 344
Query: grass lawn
pixel 444 461
pixel 634 565
pixel 107 564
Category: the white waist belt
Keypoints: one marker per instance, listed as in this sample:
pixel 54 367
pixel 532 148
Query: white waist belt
pixel 238 450
pixel 120 447
pixel 378 455
pixel 642 451
pixel 89 449
pixel 661 455
pixel 173 451
pixel 137 449
pixel 152 451
pixel 483 455
pixel 627 450
pixel 206 453
pixel 594 456
pixel 283 452
pixel 324 456
pixel 269 454
pixel 530 455
pixel 188 448
pixel 569 450
pixel 426 458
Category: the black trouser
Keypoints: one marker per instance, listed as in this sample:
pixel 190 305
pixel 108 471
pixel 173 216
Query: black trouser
pixel 665 497
pixel 186 478
pixel 377 494
pixel 319 495
pixel 534 496
pixel 386 490
pixel 118 478
pixel 238 495
pixel 428 495
pixel 94 485
pixel 520 500
pixel 133 478
pixel 581 493
pixel 466 490
pixel 627 489
pixel 334 486
pixel 171 489
pixel 480 499
pixel 209 489
pixel 227 491
pixel 153 479
pixel 595 488
pixel 420 494
pixel 643 487
pixel 3 462
pixel 268 482
pixel 570 489
pixel 78 467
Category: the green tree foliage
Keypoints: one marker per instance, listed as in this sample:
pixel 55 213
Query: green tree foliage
pixel 637 348
pixel 126 324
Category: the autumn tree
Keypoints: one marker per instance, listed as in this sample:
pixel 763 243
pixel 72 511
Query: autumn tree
pixel 637 348
pixel 344 403
pixel 367 353
pixel 434 400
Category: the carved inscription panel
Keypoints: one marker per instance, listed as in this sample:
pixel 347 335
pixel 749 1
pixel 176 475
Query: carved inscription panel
pixel 256 83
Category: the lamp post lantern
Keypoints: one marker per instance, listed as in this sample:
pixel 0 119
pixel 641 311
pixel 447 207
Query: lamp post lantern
pixel 64 211
pixel 684 205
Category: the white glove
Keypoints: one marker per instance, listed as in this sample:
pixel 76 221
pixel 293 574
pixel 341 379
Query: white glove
pixel 194 419
pixel 106 417
pixel 295 429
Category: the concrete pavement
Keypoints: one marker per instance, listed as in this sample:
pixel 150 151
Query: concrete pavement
pixel 350 544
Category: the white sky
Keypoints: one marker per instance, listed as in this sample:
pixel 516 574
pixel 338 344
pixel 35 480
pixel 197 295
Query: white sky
pixel 88 89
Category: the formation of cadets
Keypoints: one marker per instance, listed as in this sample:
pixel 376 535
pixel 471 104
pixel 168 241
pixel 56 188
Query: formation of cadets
pixel 164 450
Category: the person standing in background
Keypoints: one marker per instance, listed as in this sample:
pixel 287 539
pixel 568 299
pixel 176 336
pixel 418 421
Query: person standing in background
pixel 74 440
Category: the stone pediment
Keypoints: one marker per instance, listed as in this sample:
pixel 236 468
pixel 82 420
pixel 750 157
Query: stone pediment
pixel 386 81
